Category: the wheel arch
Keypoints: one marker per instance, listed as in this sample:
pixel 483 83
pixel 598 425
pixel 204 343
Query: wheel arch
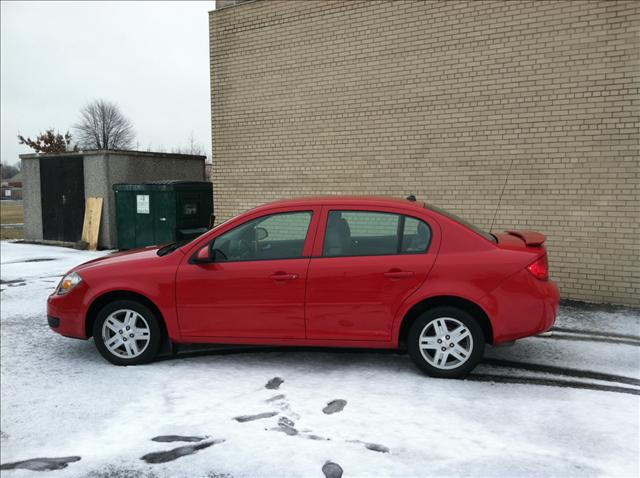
pixel 108 297
pixel 467 305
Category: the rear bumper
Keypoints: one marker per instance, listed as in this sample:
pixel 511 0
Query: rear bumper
pixel 521 307
pixel 66 313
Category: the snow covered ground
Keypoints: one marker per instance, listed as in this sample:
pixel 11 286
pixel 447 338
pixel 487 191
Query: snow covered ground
pixel 564 405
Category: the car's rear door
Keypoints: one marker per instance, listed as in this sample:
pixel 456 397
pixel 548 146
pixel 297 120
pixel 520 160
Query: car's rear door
pixel 256 287
pixel 367 261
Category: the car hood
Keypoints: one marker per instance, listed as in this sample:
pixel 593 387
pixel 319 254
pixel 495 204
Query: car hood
pixel 119 258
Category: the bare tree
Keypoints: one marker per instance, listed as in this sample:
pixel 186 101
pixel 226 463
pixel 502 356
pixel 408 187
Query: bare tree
pixel 103 126
pixel 9 170
pixel 193 147
pixel 49 142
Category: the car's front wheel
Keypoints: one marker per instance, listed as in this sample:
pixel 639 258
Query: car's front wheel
pixel 127 333
pixel 446 342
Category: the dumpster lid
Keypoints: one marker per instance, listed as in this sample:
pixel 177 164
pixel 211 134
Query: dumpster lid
pixel 164 185
pixel 197 230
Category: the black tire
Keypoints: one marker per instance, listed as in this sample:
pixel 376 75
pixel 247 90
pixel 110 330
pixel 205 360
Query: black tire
pixel 476 343
pixel 149 352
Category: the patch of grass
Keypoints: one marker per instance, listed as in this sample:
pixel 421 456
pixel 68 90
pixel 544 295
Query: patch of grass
pixel 11 212
pixel 13 233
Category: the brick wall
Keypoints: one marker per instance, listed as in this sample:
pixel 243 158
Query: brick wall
pixel 442 99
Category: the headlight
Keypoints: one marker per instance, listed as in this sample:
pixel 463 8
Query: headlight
pixel 68 283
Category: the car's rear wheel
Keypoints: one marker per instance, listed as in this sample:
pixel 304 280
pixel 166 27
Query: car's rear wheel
pixel 446 342
pixel 127 333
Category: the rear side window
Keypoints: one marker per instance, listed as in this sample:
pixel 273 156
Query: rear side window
pixel 474 228
pixel 370 233
pixel 416 236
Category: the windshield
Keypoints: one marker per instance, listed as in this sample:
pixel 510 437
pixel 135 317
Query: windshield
pixel 473 227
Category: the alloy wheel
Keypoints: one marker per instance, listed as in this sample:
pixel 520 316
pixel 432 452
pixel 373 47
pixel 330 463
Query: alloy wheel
pixel 126 333
pixel 445 343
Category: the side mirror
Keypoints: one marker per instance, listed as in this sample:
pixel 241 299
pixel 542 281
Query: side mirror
pixel 203 255
pixel 261 233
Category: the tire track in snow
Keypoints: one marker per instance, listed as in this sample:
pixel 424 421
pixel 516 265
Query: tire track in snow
pixel 596 333
pixel 562 333
pixel 551 382
pixel 569 372
pixel 579 338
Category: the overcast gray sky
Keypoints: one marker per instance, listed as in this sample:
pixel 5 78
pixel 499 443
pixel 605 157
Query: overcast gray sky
pixel 151 58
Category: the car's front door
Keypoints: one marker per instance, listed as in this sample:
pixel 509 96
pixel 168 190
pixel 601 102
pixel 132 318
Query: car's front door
pixel 256 286
pixel 370 262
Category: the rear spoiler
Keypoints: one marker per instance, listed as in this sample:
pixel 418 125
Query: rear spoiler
pixel 530 238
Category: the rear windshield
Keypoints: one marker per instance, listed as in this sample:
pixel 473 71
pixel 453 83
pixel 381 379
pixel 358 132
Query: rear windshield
pixel 474 228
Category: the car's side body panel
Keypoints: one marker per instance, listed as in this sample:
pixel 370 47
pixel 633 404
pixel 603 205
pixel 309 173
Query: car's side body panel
pixel 344 301
pixel 469 267
pixel 140 272
pixel 242 299
pixel 358 297
pixel 521 306
pixel 261 299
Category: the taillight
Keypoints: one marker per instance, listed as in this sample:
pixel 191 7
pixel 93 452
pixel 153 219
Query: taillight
pixel 540 268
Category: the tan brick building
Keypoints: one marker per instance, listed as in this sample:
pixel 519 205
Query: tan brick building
pixel 442 99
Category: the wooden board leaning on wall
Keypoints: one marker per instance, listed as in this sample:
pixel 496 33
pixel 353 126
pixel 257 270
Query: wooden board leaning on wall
pixel 91 226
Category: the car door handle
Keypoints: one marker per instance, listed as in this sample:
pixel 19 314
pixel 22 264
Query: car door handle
pixel 280 276
pixel 398 274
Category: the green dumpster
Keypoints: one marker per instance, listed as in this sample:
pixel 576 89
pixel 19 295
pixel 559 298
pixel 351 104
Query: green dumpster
pixel 161 211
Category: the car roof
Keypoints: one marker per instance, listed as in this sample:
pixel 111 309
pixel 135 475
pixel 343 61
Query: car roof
pixel 346 201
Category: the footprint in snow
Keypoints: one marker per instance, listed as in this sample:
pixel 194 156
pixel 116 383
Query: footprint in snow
pixel 317 438
pixel 281 403
pixel 376 447
pixel 274 383
pixel 276 398
pixel 372 446
pixel 332 470
pixel 172 438
pixel 287 426
pixel 165 456
pixel 250 418
pixel 41 464
pixel 334 406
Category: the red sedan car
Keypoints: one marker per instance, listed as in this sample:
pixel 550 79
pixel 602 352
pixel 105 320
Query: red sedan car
pixel 329 271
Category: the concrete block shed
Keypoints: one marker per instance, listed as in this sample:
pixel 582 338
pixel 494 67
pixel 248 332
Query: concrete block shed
pixel 55 187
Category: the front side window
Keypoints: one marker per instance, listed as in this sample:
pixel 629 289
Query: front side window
pixel 277 236
pixel 370 233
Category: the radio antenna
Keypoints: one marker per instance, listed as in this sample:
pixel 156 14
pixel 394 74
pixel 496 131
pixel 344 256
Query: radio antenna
pixel 501 194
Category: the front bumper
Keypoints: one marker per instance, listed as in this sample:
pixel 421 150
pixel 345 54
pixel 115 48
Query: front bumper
pixel 66 313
